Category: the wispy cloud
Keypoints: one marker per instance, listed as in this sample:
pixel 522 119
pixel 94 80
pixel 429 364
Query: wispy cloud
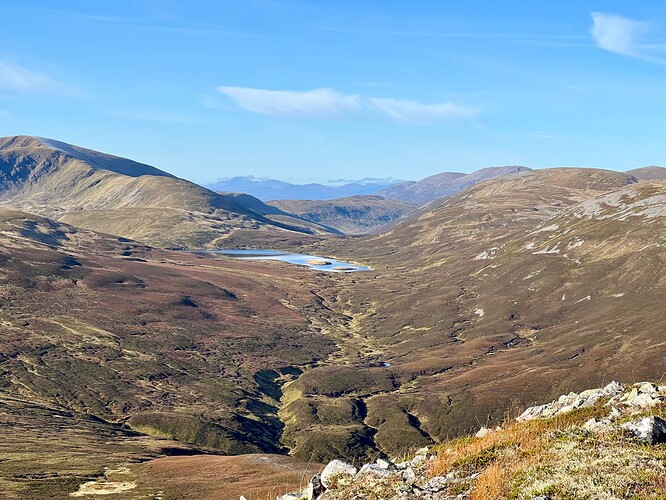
pixel 617 34
pixel 316 103
pixel 327 103
pixel 624 36
pixel 415 112
pixel 17 78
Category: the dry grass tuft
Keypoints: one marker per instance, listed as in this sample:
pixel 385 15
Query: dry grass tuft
pixel 552 454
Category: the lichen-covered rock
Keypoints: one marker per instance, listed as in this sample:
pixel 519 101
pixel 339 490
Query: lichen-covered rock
pixel 385 464
pixel 374 470
pixel 315 488
pixel 648 429
pixel 336 473
pixel 571 401
pixel 292 496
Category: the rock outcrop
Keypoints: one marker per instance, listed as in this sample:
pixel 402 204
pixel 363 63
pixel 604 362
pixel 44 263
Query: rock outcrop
pixel 618 434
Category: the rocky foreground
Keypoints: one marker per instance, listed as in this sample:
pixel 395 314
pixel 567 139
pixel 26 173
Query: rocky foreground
pixel 603 443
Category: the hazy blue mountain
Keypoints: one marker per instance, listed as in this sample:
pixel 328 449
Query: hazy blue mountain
pixel 271 189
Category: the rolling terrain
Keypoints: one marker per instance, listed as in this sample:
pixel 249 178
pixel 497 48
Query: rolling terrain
pixel 353 215
pixel 115 349
pixel 122 197
pixel 515 290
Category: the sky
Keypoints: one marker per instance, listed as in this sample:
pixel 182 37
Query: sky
pixel 306 90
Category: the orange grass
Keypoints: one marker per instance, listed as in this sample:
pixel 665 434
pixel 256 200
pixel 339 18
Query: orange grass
pixel 499 456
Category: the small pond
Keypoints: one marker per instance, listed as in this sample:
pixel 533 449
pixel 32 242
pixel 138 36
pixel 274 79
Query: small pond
pixel 312 261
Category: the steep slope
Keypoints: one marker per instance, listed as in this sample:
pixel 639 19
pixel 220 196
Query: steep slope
pixel 604 443
pixel 110 346
pixel 444 184
pixel 271 189
pixel 119 196
pixel 353 215
pixel 513 291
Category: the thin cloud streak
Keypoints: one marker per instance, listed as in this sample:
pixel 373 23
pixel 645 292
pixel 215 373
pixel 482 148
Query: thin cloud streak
pixel 16 78
pixel 330 103
pixel 414 112
pixel 318 103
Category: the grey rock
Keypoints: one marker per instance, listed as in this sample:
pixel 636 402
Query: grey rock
pixel 408 475
pixel 437 483
pixel 644 400
pixel 614 413
pixel 647 387
pixel 337 471
pixel 291 496
pixel 648 429
pixel 315 488
pixel 571 401
pixel 385 464
pixel 374 470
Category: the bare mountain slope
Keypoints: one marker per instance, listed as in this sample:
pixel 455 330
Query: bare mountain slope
pixel 107 346
pixel 515 290
pixel 352 215
pixel 649 173
pixel 444 184
pixel 123 197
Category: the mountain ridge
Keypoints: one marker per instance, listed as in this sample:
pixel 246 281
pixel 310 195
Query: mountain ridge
pixel 115 195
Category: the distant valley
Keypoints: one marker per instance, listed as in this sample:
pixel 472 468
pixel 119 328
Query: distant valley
pixel 487 292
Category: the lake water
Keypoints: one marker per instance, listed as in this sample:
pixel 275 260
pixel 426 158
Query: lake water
pixel 311 261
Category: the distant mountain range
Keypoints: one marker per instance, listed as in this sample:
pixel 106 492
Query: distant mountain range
pixel 271 189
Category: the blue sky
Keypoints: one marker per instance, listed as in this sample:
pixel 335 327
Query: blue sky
pixel 317 90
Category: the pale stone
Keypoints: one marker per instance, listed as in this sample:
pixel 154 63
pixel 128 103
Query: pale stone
pixel 374 470
pixel 647 387
pixel 644 400
pixel 337 471
pixel 483 432
pixel 408 475
pixel 648 429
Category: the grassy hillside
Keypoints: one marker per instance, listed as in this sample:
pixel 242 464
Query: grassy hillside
pixel 113 348
pixel 353 215
pixel 513 291
pixel 123 197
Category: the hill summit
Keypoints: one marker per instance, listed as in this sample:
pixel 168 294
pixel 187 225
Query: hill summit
pixel 115 195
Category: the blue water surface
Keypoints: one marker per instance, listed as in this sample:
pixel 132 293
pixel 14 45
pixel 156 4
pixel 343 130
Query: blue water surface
pixel 311 261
